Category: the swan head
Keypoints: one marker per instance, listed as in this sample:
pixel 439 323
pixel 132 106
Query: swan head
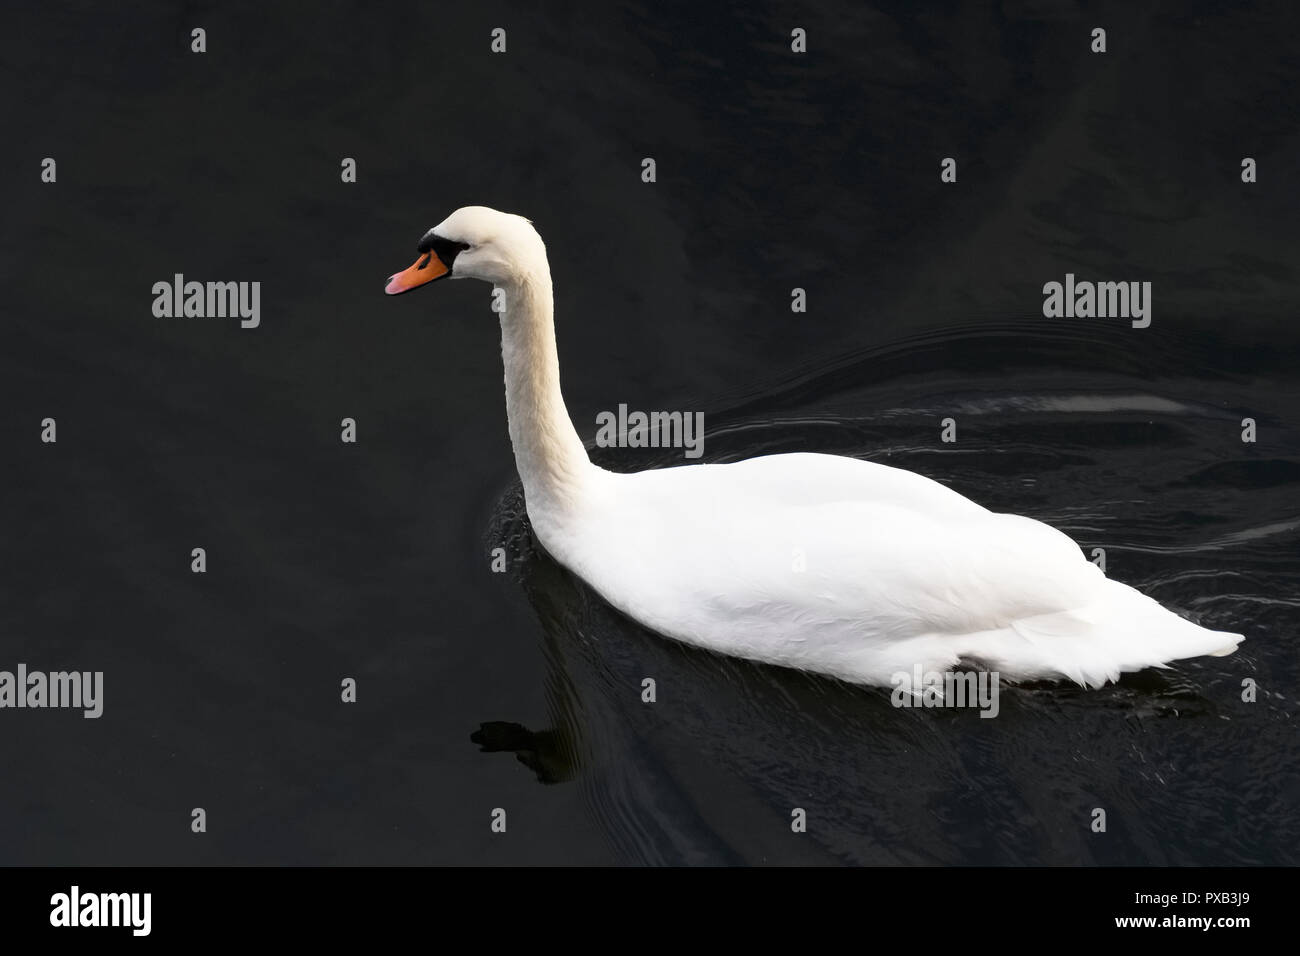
pixel 474 242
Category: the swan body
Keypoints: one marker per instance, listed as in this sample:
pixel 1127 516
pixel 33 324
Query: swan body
pixel 819 562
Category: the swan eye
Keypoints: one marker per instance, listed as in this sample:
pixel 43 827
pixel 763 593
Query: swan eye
pixel 445 249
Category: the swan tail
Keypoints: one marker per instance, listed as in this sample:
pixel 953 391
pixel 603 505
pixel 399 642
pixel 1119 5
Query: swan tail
pixel 1123 631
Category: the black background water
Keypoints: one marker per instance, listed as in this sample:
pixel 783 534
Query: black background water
pixel 775 170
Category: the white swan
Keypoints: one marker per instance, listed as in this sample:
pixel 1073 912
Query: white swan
pixel 817 562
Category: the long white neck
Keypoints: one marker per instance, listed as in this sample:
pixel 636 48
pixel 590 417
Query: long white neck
pixel 551 459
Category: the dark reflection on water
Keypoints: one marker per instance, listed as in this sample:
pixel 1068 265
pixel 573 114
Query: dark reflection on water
pixel 1186 771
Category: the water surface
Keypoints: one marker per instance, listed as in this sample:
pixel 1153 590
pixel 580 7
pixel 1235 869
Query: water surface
pixel 775 171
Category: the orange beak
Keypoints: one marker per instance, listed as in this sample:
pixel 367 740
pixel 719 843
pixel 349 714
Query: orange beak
pixel 425 269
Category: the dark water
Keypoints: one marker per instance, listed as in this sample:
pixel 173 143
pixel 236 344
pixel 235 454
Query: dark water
pixel 372 560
